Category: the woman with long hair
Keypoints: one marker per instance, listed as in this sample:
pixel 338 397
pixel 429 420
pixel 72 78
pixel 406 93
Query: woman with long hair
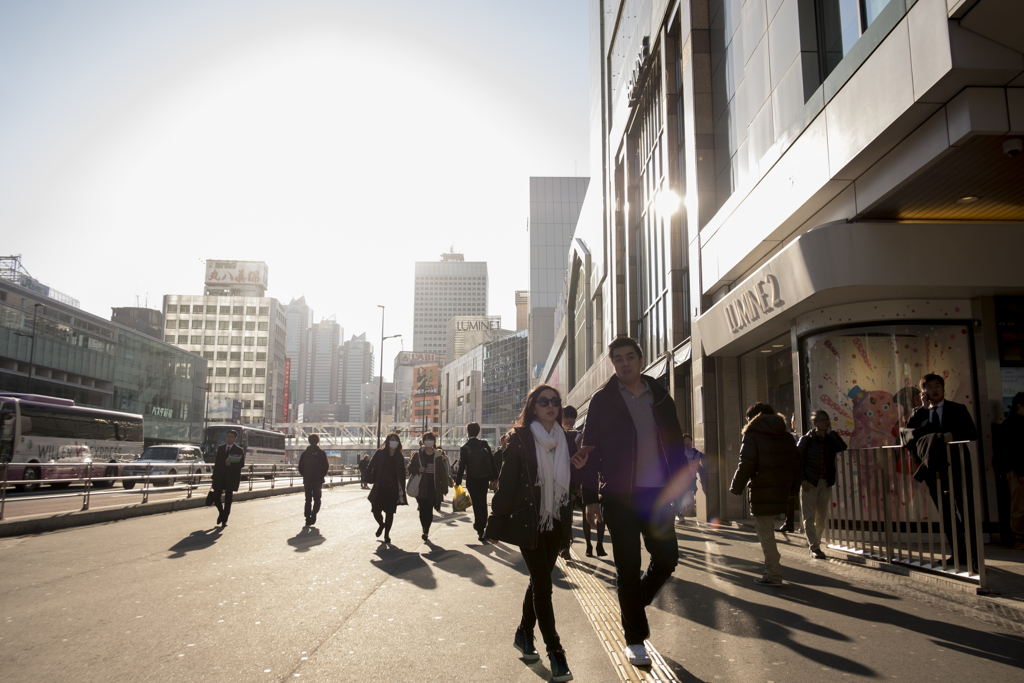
pixel 432 464
pixel 386 473
pixel 529 508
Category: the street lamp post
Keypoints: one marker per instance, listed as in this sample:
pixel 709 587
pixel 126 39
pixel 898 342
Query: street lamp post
pixel 380 377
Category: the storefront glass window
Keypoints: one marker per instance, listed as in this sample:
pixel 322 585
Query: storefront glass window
pixel 867 377
pixel 767 376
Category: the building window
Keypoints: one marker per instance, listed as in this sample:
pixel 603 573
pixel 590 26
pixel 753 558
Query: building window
pixel 220 372
pixel 208 355
pixel 209 340
pixel 248 341
pixel 250 326
pixel 183 339
pixel 245 404
pixel 232 388
pixel 258 405
pixel 250 310
pixel 219 388
pixel 169 338
pixel 211 324
pixel 182 324
pixel 261 355
pixel 261 372
pixel 172 308
pixel 260 388
pixel 235 355
pixel 197 339
pixel 246 372
pixel 236 341
pixel 247 355
pixel 261 341
pixel 246 388
pixel 237 310
pixel 264 327
pixel 197 324
pixel 236 324
pixel 839 24
pixel 222 340
pixel 225 310
pixel 264 310
pixel 233 372
pixel 223 324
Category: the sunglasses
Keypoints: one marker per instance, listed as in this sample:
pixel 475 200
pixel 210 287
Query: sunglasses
pixel 544 402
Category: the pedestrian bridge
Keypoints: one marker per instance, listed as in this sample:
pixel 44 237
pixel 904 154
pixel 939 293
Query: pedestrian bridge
pixel 362 436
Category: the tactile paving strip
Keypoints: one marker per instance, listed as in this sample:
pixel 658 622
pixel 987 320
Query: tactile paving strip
pixel 602 607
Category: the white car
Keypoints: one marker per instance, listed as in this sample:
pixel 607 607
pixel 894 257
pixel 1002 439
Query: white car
pixel 166 459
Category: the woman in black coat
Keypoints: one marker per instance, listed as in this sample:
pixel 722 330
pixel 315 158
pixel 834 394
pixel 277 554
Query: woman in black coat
pixel 529 508
pixel 386 472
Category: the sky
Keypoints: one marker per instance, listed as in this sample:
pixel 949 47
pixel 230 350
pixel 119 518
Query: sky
pixel 340 142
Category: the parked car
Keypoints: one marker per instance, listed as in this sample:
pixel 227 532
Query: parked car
pixel 166 459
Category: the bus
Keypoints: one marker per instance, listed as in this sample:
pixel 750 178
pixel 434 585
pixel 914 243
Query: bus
pixel 37 433
pixel 261 446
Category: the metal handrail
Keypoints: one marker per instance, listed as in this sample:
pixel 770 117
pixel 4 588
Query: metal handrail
pixel 878 508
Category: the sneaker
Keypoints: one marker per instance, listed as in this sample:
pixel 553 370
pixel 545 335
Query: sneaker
pixel 819 554
pixel 601 552
pixel 765 581
pixel 559 669
pixel 524 643
pixel 637 655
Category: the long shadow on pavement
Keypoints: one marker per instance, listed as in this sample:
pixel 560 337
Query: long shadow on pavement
pixel 307 539
pixel 459 563
pixel 197 540
pixel 405 566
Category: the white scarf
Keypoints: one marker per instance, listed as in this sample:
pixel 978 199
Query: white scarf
pixel 552 472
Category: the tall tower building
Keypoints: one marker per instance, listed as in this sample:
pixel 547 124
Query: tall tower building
pixel 356 370
pixel 445 289
pixel 299 345
pixel 324 361
pixel 522 309
pixel 555 205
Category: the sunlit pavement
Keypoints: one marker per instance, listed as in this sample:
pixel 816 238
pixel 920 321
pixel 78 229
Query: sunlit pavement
pixel 169 597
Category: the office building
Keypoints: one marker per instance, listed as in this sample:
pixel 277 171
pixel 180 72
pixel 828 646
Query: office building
pixel 357 370
pixel 298 351
pixel 555 205
pixel 99 363
pixel 241 334
pixel 371 394
pixel 522 309
pixel 463 332
pixel 506 378
pixel 462 388
pixel 325 362
pixel 445 289
pixel 148 321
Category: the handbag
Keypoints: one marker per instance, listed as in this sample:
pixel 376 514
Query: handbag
pixel 413 487
pixel 211 497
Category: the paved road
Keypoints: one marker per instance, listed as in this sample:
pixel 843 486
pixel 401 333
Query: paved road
pixel 169 598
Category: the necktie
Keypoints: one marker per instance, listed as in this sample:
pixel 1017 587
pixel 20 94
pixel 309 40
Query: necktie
pixel 935 418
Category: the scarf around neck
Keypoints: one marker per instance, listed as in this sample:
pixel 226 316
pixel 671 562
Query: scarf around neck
pixel 552 472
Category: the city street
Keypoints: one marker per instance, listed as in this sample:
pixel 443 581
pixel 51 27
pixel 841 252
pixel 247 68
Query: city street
pixel 170 597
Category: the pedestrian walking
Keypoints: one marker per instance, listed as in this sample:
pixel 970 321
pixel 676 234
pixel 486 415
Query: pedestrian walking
pixel 928 431
pixel 696 467
pixel 632 451
pixel 569 416
pixel 792 508
pixel 364 465
pixel 770 464
pixel 529 509
pixel 818 449
pixel 432 464
pixel 313 467
pixel 386 474
pixel 476 462
pixel 227 474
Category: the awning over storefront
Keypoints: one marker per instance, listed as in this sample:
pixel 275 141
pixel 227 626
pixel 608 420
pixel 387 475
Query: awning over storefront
pixel 842 262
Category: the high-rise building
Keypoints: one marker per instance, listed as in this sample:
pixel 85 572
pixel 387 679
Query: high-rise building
pixel 555 205
pixel 299 347
pixel 372 393
pixel 443 290
pixel 325 361
pixel 148 321
pixel 506 378
pixel 356 370
pixel 463 332
pixel 241 334
pixel 522 309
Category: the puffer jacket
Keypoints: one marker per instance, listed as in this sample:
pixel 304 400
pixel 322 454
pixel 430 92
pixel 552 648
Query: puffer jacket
pixel 770 463
pixel 514 514
pixel 813 448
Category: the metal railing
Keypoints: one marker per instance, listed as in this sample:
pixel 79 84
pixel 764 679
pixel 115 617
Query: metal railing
pixel 880 511
pixel 196 475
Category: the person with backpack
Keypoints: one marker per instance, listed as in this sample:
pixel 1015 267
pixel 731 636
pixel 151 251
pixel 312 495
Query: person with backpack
pixel 476 462
pixel 313 467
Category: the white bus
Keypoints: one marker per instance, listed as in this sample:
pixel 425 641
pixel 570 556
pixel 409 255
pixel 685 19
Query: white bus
pixel 37 433
pixel 261 446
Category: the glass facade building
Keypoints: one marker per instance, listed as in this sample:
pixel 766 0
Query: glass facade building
pixel 506 378
pixel 99 363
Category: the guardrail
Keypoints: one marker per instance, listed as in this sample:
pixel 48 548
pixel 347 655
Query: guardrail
pixel 880 511
pixel 195 476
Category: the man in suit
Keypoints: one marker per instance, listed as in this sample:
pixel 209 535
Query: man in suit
pixel 227 474
pixel 951 422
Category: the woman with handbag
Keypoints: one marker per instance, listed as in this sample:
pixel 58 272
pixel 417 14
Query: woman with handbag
pixel 529 508
pixel 432 466
pixel 386 475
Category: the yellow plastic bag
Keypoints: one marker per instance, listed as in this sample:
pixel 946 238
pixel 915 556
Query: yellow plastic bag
pixel 462 500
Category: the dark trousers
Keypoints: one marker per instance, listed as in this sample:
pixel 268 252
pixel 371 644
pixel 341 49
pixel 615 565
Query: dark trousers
pixel 599 531
pixel 478 492
pixel 628 521
pixel 954 523
pixel 537 607
pixel 225 508
pixel 385 521
pixel 314 492
pixel 426 509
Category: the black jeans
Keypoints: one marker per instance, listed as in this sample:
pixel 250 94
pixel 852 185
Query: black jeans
pixel 954 524
pixel 314 492
pixel 385 521
pixel 224 509
pixel 628 521
pixel 426 508
pixel 537 607
pixel 478 492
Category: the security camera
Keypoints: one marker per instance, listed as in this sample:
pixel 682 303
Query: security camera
pixel 1013 147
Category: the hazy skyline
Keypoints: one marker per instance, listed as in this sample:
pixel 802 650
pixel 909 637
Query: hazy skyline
pixel 339 142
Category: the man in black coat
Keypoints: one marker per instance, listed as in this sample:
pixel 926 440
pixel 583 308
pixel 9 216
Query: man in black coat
pixel 1008 463
pixel 938 423
pixel 770 463
pixel 313 467
pixel 818 449
pixel 227 474
pixel 633 446
pixel 476 462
